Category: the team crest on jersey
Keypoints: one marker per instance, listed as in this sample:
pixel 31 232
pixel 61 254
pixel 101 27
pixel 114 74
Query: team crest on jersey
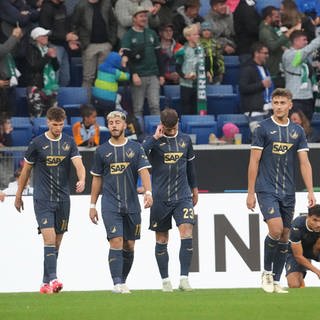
pixel 118 167
pixel 130 153
pixel 172 157
pixel 66 146
pixel 53 161
pixel 294 135
pixel 281 147
pixel 182 144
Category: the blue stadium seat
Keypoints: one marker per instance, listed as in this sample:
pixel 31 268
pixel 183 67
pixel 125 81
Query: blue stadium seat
pixel 172 96
pixel 150 123
pixel 21 135
pixel 232 70
pixel 72 95
pixel 219 89
pixel 240 120
pixel 222 103
pixel 21 102
pixel 20 121
pixel 201 126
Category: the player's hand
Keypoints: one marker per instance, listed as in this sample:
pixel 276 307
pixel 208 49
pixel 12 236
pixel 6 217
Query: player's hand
pixel 80 186
pixel 251 201
pixel 195 196
pixel 148 201
pixel 159 132
pixel 18 203
pixel 93 214
pixel 311 199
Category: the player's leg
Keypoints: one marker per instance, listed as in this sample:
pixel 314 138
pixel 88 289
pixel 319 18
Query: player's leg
pixel 295 280
pixel 160 222
pixel 295 272
pixel 184 217
pixel 128 256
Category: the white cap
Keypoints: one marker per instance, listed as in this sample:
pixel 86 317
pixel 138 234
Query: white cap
pixel 38 32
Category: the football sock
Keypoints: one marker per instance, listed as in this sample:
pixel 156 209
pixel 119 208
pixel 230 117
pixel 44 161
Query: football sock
pixel 127 264
pixel 270 248
pixel 185 256
pixel 116 265
pixel 162 257
pixel 50 264
pixel 279 260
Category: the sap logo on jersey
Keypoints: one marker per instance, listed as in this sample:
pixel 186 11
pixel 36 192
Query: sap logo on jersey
pixel 172 157
pixel 53 161
pixel 118 167
pixel 281 148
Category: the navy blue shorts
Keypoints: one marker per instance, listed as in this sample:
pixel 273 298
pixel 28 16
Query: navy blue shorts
pixel 162 211
pixel 293 266
pixel 126 225
pixel 272 206
pixel 52 214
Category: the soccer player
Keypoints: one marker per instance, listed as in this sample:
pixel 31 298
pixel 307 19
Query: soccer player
pixel 175 193
pixel 51 154
pixel 276 144
pixel 115 170
pixel 304 247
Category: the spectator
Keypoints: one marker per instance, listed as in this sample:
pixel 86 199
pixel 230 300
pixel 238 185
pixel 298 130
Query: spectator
pixel 86 132
pixel 17 13
pixel 142 47
pixel 168 48
pixel 300 118
pixel 96 25
pixel 5 131
pixel 298 72
pixel 213 54
pixel 185 16
pixel 246 26
pixel 104 92
pixel 8 72
pixel 124 10
pixel 187 61
pixel 255 85
pixel 221 20
pixel 229 131
pixel 53 16
pixel 276 41
pixel 42 64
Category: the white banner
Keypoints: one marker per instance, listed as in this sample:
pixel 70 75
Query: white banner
pixel 228 249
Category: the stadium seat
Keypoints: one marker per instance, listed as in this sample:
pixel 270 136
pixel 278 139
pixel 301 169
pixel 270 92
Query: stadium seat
pixel 222 104
pixel 150 123
pixel 21 135
pixel 315 124
pixel 172 96
pixel 219 89
pixel 21 102
pixel 232 70
pixel 240 120
pixel 20 121
pixel 201 126
pixel 72 95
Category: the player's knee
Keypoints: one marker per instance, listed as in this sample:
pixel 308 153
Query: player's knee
pixel 116 243
pixel 293 281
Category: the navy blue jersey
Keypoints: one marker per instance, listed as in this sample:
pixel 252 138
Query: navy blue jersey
pixel 51 162
pixel 300 233
pixel 119 166
pixel 169 157
pixel 279 145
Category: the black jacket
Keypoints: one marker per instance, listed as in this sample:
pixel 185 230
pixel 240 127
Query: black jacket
pixel 251 88
pixel 36 64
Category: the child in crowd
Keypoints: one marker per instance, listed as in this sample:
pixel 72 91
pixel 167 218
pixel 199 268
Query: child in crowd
pixel 187 59
pixel 86 132
pixel 213 54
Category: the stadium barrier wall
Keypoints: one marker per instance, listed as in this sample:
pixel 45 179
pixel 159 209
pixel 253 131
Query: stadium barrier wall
pixel 228 248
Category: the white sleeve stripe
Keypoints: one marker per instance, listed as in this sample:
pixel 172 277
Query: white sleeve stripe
pixel 145 167
pixel 256 147
pixel 305 149
pixel 78 156
pixel 95 174
pixel 28 161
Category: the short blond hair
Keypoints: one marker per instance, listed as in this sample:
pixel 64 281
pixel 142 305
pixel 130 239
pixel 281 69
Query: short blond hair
pixel 189 29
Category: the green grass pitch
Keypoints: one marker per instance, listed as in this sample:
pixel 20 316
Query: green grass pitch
pixel 218 304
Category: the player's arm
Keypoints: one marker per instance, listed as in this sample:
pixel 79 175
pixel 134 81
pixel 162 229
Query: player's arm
pixel 81 173
pixel 306 172
pixel 95 191
pixel 192 181
pixel 146 183
pixel 255 156
pixel 297 251
pixel 23 180
pixel 149 143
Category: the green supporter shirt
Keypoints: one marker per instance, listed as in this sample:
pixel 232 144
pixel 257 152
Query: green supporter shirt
pixel 147 66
